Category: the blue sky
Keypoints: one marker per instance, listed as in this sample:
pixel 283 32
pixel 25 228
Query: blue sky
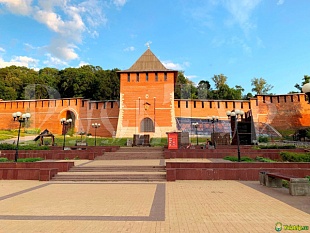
pixel 241 39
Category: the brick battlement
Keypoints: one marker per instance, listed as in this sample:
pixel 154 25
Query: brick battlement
pixel 281 111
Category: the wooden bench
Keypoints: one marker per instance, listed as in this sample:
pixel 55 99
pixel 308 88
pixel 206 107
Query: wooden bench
pixel 297 186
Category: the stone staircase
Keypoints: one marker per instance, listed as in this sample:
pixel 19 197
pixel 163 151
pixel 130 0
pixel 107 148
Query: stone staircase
pixel 129 153
pixel 143 170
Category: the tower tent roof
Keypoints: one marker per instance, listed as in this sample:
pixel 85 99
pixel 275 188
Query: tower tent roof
pixel 147 62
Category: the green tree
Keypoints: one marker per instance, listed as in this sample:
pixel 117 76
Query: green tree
pixel 260 86
pixel 306 79
pixel 184 88
pixel 219 81
pixel 204 90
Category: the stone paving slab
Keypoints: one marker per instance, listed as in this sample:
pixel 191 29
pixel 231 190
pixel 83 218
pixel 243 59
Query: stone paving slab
pixel 182 206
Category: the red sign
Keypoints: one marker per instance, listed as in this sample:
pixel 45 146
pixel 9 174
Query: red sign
pixel 173 141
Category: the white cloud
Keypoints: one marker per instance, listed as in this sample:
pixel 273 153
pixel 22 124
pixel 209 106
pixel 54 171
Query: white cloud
pixel 2 50
pixel 172 66
pixel 240 42
pixel 241 11
pixel 119 3
pixel 83 63
pixel 280 2
pixel 54 61
pixel 63 50
pixel 20 7
pixel 129 49
pixel 68 20
pixel 191 76
pixel 20 61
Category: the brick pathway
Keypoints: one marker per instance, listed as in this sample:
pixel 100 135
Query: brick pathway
pixel 182 206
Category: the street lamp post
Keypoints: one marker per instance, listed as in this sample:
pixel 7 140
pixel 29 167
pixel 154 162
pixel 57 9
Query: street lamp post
pixel 195 124
pixel 213 120
pixel 234 115
pixel 306 89
pixel 21 118
pixel 65 123
pixel 95 125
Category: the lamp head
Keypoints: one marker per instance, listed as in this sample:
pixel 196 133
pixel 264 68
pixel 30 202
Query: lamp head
pixel 306 89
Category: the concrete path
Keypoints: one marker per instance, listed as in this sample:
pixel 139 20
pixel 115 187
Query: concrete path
pixel 21 139
pixel 182 206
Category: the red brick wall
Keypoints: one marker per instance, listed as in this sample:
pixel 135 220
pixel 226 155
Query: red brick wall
pixel 46 114
pixel 282 112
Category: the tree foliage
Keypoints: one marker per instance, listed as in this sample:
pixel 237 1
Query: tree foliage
pixel 91 82
pixel 260 86
pixel 306 79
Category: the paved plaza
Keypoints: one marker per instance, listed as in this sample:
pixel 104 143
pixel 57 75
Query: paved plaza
pixel 181 206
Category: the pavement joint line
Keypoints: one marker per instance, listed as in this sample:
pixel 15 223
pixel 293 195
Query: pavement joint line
pixel 23 191
pixel 157 212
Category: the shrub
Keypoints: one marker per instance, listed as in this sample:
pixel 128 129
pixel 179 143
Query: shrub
pixel 265 160
pixel 295 157
pixel 285 184
pixel 264 139
pixel 277 147
pixel 235 159
pixel 29 160
pixel 3 160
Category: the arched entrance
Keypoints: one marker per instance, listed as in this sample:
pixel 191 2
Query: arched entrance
pixel 68 115
pixel 147 125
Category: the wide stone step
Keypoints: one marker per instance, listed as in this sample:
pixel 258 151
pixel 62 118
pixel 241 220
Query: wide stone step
pixel 129 155
pixel 118 169
pixel 111 177
pixel 140 149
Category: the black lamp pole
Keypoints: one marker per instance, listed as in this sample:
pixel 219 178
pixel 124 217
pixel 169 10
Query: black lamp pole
pixel 95 125
pixel 196 127
pixel 213 120
pixel 21 118
pixel 234 115
pixel 65 123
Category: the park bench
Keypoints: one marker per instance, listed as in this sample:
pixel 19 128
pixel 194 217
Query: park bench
pixel 297 186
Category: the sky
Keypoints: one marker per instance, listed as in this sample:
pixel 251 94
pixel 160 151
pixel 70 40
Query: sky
pixel 242 39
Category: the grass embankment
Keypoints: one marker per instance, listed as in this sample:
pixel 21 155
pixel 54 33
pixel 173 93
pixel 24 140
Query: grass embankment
pixel 26 160
pixel 248 159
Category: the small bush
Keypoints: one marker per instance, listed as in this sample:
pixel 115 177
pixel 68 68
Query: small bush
pixel 3 160
pixel 263 139
pixel 277 147
pixel 308 178
pixel 235 159
pixel 264 160
pixel 285 184
pixel 29 160
pixel 295 157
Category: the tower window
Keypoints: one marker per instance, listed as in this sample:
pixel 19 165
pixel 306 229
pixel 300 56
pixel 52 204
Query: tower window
pixel 146 77
pixel 128 77
pixel 156 77
pixel 137 77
